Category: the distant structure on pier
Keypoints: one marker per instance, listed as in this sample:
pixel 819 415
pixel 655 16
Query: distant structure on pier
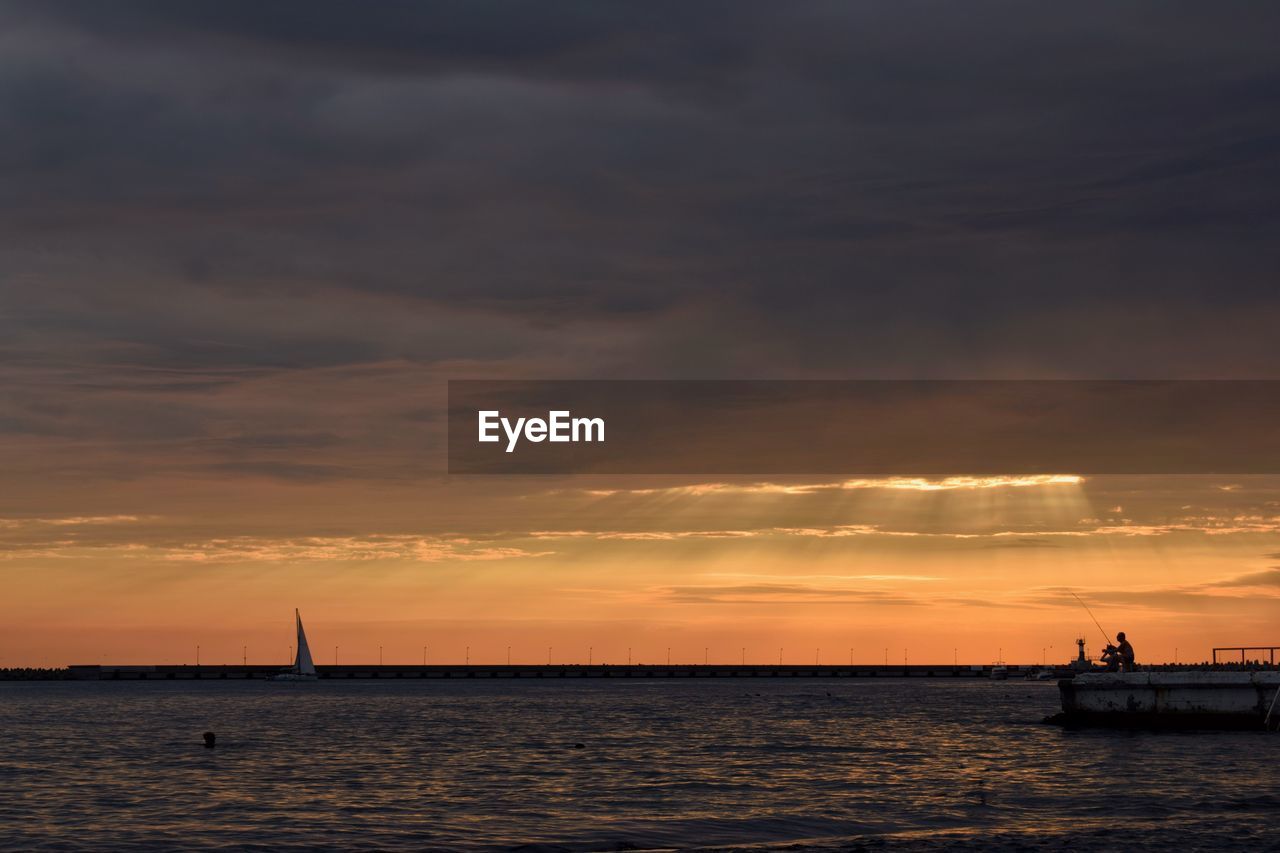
pixel 1082 662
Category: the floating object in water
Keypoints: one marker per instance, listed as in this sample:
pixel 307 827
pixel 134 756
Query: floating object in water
pixel 303 669
pixel 579 746
pixel 210 740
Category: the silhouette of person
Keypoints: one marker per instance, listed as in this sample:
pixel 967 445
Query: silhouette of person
pixel 1125 651
pixel 1119 656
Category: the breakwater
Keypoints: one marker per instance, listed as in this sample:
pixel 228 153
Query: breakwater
pixel 443 671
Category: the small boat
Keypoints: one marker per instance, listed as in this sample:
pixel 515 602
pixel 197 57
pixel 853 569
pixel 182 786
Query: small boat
pixel 303 669
pixel 999 671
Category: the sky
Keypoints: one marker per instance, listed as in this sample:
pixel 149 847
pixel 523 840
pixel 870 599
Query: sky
pixel 243 246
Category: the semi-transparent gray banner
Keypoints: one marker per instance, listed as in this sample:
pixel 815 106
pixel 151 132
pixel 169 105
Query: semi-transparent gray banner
pixel 870 427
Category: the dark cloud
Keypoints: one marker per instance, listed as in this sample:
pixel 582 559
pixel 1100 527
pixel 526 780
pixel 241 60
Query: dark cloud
pixel 781 593
pixel 289 471
pixel 1020 543
pixel 1266 577
pixel 988 603
pixel 1219 595
pixel 570 39
pixel 283 441
pixel 216 191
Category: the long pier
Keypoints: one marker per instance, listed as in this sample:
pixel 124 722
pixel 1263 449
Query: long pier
pixel 100 672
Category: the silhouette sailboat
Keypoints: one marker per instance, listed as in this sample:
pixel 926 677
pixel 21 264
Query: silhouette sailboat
pixel 303 669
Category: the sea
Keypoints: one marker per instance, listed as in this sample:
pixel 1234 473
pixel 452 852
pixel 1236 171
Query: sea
pixel 582 765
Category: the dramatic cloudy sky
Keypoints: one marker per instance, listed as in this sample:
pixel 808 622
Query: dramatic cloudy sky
pixel 243 245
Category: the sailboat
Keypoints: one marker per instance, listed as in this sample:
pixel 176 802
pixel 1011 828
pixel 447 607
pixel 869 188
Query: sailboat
pixel 303 668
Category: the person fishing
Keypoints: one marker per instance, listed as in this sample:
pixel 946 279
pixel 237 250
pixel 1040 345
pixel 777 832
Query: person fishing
pixel 1119 656
pixel 1116 657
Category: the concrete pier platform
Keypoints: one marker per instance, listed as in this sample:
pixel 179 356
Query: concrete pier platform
pixel 1198 699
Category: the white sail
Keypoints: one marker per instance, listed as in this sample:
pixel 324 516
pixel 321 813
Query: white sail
pixel 303 665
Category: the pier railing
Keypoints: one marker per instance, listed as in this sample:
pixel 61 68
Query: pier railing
pixel 1244 651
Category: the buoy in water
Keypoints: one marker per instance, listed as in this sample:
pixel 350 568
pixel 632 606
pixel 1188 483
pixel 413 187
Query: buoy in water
pixel 210 740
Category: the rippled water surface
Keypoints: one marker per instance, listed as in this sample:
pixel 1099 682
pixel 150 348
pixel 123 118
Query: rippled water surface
pixel 865 764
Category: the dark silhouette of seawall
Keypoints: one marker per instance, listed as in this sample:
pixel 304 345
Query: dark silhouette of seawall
pixel 441 671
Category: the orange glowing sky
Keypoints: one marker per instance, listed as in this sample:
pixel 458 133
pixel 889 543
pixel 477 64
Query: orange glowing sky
pixel 975 568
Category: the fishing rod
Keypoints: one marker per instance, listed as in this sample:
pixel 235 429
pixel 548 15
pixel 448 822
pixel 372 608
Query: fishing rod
pixel 1105 636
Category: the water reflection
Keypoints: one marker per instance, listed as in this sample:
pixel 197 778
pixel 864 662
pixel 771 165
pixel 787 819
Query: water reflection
pixel 492 765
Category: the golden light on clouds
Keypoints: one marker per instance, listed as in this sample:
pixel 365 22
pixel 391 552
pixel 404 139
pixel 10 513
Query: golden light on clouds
pixel 917 484
pixel 951 483
pixel 930 564
pixel 71 521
